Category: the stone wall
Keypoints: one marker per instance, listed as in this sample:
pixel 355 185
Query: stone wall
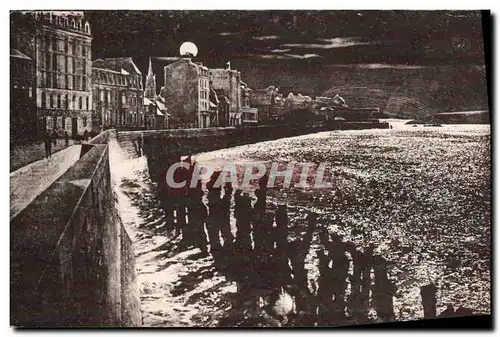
pixel 69 252
pixel 161 145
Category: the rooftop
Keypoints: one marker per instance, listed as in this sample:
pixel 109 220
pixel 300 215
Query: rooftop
pixel 17 54
pixel 117 64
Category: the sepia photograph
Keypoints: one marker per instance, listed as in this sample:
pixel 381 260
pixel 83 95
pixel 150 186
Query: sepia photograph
pixel 250 168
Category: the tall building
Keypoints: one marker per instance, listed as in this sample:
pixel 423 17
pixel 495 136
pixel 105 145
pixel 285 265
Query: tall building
pixel 23 119
pixel 60 44
pixel 265 101
pixel 222 107
pixel 248 115
pixel 150 87
pixel 186 94
pixel 118 93
pixel 230 81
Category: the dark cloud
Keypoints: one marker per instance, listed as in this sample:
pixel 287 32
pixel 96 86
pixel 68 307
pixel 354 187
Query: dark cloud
pixel 295 48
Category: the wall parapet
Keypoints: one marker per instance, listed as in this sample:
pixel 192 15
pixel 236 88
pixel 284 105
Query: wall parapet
pixel 66 250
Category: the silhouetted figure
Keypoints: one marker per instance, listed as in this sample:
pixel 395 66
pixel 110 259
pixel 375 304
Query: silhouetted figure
pixel 86 135
pixel 174 197
pixel 325 291
pixel 297 252
pixel 263 232
pixel 66 138
pixel 225 209
pixel 355 280
pixel 242 213
pixel 281 230
pixel 214 215
pixel 48 145
pixel 340 267
pixel 366 263
pixel 383 291
pixel 428 293
pixel 261 194
pixel 244 268
pixel 197 215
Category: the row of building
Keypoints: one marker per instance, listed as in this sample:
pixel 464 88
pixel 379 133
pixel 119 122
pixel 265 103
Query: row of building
pixel 56 87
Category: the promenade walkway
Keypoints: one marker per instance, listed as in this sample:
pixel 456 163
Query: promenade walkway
pixel 29 181
pixel 24 153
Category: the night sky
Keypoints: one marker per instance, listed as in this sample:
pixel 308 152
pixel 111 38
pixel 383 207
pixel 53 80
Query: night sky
pixel 298 42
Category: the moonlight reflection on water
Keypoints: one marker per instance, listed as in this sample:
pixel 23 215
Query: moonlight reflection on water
pixel 422 195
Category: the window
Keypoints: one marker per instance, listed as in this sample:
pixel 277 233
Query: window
pixel 66 46
pixel 101 95
pixel 84 83
pixel 74 49
pixel 123 98
pixel 66 101
pixel 84 120
pixel 30 92
pixel 59 101
pixel 47 61
pixel 108 96
pixel 47 79
pixel 51 99
pixel 44 100
pixel 87 102
pixel 67 81
pixel 80 103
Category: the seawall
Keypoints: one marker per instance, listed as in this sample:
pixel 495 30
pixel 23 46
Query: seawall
pixel 72 262
pixel 160 146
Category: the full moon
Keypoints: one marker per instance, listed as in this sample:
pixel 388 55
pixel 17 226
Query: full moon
pixel 188 47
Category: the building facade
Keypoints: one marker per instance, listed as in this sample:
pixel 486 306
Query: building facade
pixel 156 114
pixel 249 115
pixel 186 93
pixel 264 100
pixel 223 107
pixel 298 102
pixel 118 94
pixel 229 80
pixel 60 43
pixel 23 118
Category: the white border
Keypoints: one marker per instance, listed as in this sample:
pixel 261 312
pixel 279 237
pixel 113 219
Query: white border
pixel 194 4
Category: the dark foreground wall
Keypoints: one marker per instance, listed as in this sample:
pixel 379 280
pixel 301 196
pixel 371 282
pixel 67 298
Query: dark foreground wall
pixel 160 146
pixel 71 259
